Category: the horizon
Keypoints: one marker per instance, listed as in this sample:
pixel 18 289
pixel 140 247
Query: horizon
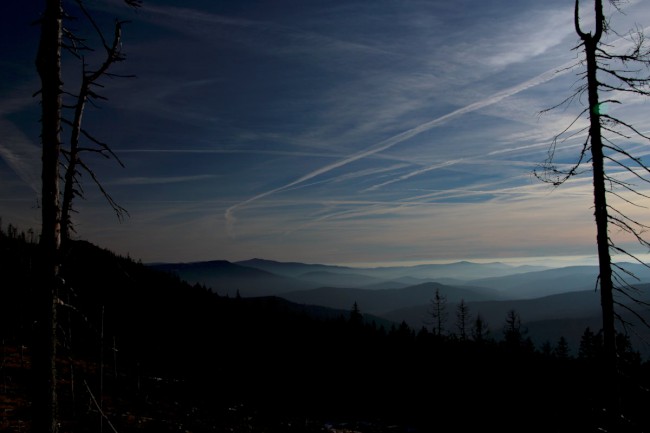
pixel 547 262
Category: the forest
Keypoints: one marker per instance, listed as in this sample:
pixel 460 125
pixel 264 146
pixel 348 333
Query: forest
pixel 141 350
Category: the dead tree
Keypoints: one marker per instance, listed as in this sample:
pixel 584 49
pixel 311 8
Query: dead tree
pixel 48 66
pixel 89 80
pixel 438 313
pixel 606 73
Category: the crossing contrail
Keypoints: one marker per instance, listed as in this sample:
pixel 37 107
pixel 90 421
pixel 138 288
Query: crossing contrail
pixel 403 136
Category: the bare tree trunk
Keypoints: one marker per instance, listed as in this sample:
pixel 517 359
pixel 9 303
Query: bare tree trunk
pixel 48 65
pixel 600 209
pixel 604 259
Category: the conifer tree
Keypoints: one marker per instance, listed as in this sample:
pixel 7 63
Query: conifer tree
pixel 590 345
pixel 480 329
pixel 356 318
pixel 561 350
pixel 512 332
pixel 462 319
pixel 438 313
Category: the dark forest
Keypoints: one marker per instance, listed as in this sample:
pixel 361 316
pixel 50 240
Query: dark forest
pixel 141 350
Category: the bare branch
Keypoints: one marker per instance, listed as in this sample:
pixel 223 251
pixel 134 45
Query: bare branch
pixel 86 94
pixel 632 256
pixel 560 175
pixel 624 218
pixel 99 409
pixel 119 210
pixel 627 125
pixel 104 146
pixel 634 312
pixel 567 101
pixel 629 201
pixel 627 168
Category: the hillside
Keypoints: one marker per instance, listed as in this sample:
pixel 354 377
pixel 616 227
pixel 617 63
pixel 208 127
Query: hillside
pixel 381 301
pixel 544 319
pixel 162 355
pixel 555 281
pixel 228 279
pixel 553 303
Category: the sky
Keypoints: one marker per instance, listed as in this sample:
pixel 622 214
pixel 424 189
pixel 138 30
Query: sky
pixel 341 132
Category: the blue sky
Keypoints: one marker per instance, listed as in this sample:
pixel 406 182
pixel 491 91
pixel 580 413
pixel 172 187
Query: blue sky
pixel 323 131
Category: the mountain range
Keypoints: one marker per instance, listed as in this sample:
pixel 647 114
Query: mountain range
pixel 552 302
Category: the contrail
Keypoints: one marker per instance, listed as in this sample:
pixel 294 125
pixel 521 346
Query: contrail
pixel 20 154
pixel 415 173
pixel 16 149
pixel 403 136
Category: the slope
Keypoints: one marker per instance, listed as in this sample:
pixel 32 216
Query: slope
pixel 385 300
pixel 228 279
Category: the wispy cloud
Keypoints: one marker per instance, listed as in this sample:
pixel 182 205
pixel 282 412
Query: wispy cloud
pixel 240 151
pixel 22 156
pixel 414 173
pixel 440 229
pixel 370 131
pixel 399 138
pixel 187 20
pixel 18 150
pixel 527 38
pixel 160 180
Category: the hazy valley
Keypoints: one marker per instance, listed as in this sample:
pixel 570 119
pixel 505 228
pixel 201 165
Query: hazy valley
pixel 552 302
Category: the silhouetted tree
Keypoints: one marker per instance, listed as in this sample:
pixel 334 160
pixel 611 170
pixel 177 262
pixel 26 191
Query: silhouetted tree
pixel 591 345
pixel 49 68
pixel 405 330
pixel 561 350
pixel 423 334
pixel 512 333
pixel 463 318
pixel 438 313
pixel 480 329
pixel 356 318
pixel 610 73
pixel 89 81
pixel 627 356
pixel 48 65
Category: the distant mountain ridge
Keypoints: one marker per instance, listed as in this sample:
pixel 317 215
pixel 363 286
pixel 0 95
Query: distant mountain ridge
pixel 551 302
pixel 290 269
pixel 336 279
pixel 462 270
pixel 383 301
pixel 259 277
pixel 229 279
pixel 555 281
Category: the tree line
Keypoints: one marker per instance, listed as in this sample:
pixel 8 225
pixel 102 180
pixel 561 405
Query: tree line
pixel 139 348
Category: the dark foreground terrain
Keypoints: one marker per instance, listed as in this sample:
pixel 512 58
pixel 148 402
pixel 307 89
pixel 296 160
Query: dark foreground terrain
pixel 140 350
